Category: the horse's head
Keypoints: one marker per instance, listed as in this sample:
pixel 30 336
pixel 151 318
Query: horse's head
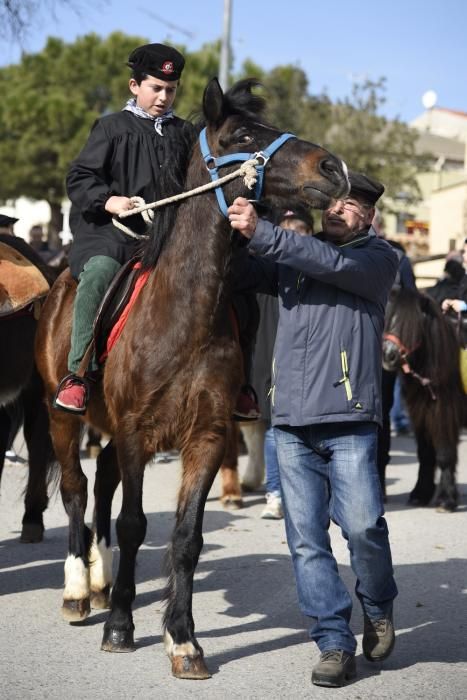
pixel 409 317
pixel 297 172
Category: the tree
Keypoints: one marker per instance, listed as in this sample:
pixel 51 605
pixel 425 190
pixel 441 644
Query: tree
pixel 50 101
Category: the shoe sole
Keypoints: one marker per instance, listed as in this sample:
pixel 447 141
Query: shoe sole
pixel 63 407
pixel 382 657
pixel 327 683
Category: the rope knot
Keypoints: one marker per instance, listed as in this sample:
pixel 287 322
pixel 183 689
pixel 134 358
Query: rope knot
pixel 248 172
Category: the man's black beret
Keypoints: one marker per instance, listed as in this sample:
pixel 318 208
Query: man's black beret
pixel 7 220
pixel 364 187
pixel 158 60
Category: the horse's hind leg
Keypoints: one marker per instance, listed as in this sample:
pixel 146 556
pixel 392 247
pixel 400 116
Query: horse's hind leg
pixel 41 459
pixel 100 557
pixel 131 530
pixel 5 423
pixel 200 465
pixel 65 430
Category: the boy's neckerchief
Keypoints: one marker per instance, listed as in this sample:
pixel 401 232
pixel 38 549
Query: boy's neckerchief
pixel 131 106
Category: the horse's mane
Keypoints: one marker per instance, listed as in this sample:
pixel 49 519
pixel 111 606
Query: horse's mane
pixel 422 325
pixel 239 101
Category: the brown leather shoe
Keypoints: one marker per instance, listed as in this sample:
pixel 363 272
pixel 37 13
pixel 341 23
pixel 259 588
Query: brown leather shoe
pixel 334 668
pixel 378 638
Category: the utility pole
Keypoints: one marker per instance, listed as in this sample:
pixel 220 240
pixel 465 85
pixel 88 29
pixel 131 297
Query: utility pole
pixel 224 63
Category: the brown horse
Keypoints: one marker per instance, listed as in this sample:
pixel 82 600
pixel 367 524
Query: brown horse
pixel 171 379
pixel 22 396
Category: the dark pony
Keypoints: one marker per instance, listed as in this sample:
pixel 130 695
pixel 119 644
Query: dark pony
pixel 171 380
pixel 22 400
pixel 419 340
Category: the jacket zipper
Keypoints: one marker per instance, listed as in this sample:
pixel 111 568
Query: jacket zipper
pixel 345 376
pixel 272 389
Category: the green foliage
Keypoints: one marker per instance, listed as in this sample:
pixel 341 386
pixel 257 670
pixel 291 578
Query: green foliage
pixel 51 99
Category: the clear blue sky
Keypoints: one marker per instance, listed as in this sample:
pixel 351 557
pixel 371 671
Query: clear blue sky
pixel 418 45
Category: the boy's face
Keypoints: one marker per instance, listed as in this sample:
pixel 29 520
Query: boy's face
pixel 155 96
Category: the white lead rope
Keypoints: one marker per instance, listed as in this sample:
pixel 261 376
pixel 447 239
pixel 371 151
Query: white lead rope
pixel 247 170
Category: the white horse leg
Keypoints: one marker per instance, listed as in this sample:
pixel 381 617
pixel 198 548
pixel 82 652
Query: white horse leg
pixel 253 435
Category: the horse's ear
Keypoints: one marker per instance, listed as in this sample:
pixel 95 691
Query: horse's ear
pixel 213 102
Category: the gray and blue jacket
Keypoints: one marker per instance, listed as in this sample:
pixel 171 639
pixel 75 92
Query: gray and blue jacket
pixel 327 355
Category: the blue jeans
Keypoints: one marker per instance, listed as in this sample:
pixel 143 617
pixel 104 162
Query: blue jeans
pixel 273 481
pixel 399 417
pixel 346 489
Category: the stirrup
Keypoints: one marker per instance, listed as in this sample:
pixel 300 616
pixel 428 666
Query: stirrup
pixel 77 380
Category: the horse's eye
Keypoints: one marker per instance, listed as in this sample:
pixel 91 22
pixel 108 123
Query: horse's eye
pixel 245 139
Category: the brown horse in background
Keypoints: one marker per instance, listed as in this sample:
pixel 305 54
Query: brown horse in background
pixel 22 394
pixel 420 341
pixel 171 380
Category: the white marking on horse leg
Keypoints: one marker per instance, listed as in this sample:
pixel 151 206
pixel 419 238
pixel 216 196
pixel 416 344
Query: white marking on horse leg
pixel 172 649
pixel 253 434
pixel 76 579
pixel 100 564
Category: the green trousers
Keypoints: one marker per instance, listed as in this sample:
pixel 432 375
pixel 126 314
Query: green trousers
pixel 93 283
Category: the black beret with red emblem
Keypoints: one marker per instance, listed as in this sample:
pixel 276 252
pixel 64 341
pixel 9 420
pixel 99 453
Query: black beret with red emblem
pixel 158 60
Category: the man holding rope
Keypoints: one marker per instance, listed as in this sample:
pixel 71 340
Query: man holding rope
pixel 141 151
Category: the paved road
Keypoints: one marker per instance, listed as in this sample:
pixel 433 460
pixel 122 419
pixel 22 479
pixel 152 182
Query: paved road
pixel 244 605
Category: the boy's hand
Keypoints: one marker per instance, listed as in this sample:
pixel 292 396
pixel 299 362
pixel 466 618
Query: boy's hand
pixel 117 205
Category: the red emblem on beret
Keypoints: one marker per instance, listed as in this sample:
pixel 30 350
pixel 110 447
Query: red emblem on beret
pixel 167 67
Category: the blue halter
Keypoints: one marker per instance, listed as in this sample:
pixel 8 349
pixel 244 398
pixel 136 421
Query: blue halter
pixel 265 155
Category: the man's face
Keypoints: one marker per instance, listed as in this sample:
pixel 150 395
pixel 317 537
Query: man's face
pixel 464 255
pixel 155 96
pixel 345 218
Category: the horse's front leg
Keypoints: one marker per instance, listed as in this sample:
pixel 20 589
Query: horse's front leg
pixel 446 496
pixel 253 434
pixel 100 557
pixel 131 530
pixel 201 460
pixel 423 491
pixel 65 431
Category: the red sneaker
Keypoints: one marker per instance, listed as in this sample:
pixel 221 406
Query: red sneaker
pixel 247 405
pixel 72 395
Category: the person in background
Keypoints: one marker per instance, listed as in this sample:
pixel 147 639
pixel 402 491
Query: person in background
pixel 298 219
pixel 7 224
pixel 326 406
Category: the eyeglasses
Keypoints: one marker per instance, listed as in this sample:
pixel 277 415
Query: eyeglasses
pixel 351 205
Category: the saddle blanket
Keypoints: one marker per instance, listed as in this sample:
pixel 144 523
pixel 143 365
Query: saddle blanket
pixel 21 282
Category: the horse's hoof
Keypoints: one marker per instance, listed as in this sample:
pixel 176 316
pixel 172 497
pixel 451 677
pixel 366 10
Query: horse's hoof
pixel 100 600
pixel 76 610
pixel 417 502
pixel 118 640
pixel 190 668
pixel 232 502
pixel 446 507
pixel 32 532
